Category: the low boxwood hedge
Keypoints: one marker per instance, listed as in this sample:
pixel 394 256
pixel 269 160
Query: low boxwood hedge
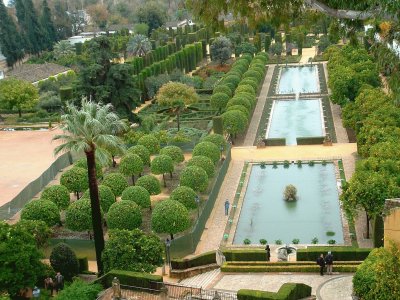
pixel 312 140
pixel 275 142
pixel 135 279
pixel 295 268
pixel 340 253
pixel 245 255
pixel 288 291
pixel 200 260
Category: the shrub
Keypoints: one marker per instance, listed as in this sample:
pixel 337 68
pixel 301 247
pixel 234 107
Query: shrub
pixel 239 101
pixel 288 291
pixel 217 139
pixel 80 290
pixel 263 241
pixel 246 242
pixel 58 194
pixel 246 88
pixel 116 182
pixel 38 229
pixel 233 79
pixel 203 162
pixel 239 108
pixel 217 124
pixel 330 233
pixel 184 195
pixel 219 101
pixel 130 278
pixel 170 216
pixel 295 241
pixel 124 215
pixel 171 92
pixel 195 178
pixel 253 74
pixel 132 251
pixel 340 253
pixel 107 197
pixel 41 210
pixel 221 88
pixel 64 260
pixel 290 193
pixel 234 121
pixel 162 164
pixel 249 81
pixel 278 242
pixel 311 163
pixel 174 152
pixel 78 216
pixel 83 264
pixel 150 183
pixel 314 240
pixel 75 179
pixel 286 164
pixel 137 194
pixel 251 98
pixel 221 49
pixel 151 143
pixel 82 163
pixel 131 165
pixel 207 258
pixel 142 152
pixel 207 149
pixel 331 242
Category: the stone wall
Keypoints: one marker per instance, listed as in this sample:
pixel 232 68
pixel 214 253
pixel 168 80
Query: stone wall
pixel 392 222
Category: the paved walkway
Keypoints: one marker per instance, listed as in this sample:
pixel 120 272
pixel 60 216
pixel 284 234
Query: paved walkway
pixel 258 111
pixel 307 53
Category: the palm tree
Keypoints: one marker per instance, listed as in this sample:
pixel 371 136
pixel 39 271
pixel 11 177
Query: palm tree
pixel 91 129
pixel 138 45
pixel 63 48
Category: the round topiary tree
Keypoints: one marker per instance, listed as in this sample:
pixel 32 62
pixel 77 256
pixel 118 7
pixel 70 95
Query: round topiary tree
pixel 64 260
pixel 131 165
pixel 78 216
pixel 239 108
pixel 203 162
pixel 249 81
pixel 162 164
pixel 251 98
pixel 82 163
pixel 116 182
pixel 75 179
pixel 219 101
pixel 58 194
pixel 138 194
pixel 195 178
pixel 246 88
pixel 174 152
pixel 221 50
pixel 142 152
pixel 290 193
pixel 41 210
pixel 170 216
pixel 239 101
pixel 216 139
pixel 107 197
pixel 234 121
pixel 124 215
pixel 151 143
pixel 150 183
pixel 222 88
pixel 184 195
pixel 233 79
pixel 207 149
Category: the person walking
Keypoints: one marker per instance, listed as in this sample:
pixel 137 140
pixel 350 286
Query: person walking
pixel 268 252
pixel 36 292
pixel 329 263
pixel 59 282
pixel 321 263
pixel 226 207
pixel 49 285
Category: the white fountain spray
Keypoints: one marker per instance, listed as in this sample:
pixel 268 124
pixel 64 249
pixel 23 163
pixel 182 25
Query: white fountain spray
pixel 297 95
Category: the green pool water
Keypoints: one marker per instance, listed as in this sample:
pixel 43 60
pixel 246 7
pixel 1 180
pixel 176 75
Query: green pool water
pixel 266 215
pixel 303 79
pixel 295 118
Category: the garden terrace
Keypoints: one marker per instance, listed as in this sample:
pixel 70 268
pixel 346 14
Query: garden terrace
pixel 34 72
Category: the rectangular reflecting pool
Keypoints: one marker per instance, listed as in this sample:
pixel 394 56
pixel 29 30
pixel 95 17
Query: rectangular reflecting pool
pixel 294 80
pixel 266 215
pixel 295 118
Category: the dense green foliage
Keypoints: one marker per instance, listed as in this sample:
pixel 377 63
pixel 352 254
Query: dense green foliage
pixel 58 194
pixel 203 162
pixel 170 216
pixel 137 194
pixel 288 291
pixel 150 183
pixel 41 210
pixel 151 143
pixel 174 152
pixel 116 182
pixel 63 259
pixel 82 163
pixel 142 152
pixel 75 179
pixel 340 253
pixel 217 139
pixel 221 50
pixel 81 290
pixel 38 229
pixel 131 165
pixel 124 215
pixel 195 178
pixel 78 216
pixel 207 149
pixel 378 276
pixel 184 195
pixel 132 251
pixel 129 278
pixel 107 197
pixel 234 121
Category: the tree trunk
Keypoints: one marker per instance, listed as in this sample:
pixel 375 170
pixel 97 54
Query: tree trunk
pixel 20 113
pixel 163 177
pixel 170 174
pixel 114 163
pixel 96 212
pixel 366 214
pixel 133 179
pixel 172 236
pixel 178 120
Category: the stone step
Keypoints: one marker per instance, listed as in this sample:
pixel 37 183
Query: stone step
pixel 202 280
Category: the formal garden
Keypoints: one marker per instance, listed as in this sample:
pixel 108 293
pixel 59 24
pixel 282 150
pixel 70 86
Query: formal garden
pixel 153 122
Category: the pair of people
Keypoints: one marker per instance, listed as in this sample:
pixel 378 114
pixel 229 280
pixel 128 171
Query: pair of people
pixel 56 284
pixel 328 261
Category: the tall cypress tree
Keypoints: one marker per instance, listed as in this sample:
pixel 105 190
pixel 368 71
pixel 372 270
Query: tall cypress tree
pixel 49 30
pixel 31 30
pixel 10 40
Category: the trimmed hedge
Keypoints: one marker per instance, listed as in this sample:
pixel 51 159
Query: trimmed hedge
pixel 313 140
pixel 288 291
pixel 83 264
pixel 275 142
pixel 295 268
pixel 245 255
pixel 340 253
pixel 130 278
pixel 207 258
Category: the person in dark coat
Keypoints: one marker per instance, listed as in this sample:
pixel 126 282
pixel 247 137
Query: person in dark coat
pixel 329 263
pixel 321 263
pixel 268 252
